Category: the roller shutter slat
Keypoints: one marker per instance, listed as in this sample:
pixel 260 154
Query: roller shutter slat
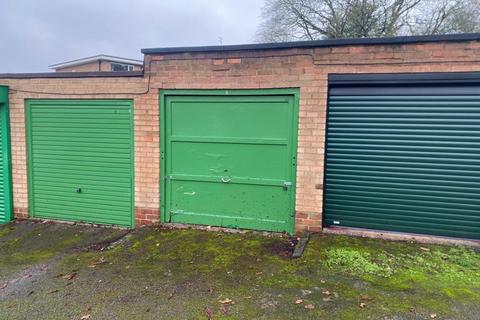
pixel 404 163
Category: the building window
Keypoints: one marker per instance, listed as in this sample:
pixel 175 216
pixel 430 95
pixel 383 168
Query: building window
pixel 121 67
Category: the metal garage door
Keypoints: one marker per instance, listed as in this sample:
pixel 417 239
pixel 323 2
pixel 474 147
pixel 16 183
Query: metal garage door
pixel 404 158
pixel 230 158
pixel 80 158
pixel 5 173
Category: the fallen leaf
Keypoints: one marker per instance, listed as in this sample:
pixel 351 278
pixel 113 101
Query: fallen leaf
pixel 309 306
pixel 3 286
pixel 224 309
pixel 433 316
pixel 424 249
pixel 227 301
pixel 85 317
pixel 298 301
pixel 172 294
pixel 327 292
pixel 99 262
pixel 70 276
pixel 362 305
pixel 365 297
pixel 259 273
pixel 209 312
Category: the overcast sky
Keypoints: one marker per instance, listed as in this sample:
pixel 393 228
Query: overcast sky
pixel 37 33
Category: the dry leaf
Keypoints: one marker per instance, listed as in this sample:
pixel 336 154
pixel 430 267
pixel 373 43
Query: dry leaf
pixel 362 305
pixel 299 301
pixel 433 316
pixel 424 249
pixel 227 301
pixel 3 286
pixel 224 309
pixel 208 313
pixel 259 273
pixel 172 294
pixel 96 263
pixel 309 306
pixel 70 276
pixel 365 297
pixel 327 293
pixel 85 317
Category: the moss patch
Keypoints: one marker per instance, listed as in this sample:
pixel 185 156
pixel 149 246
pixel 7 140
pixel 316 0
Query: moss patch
pixel 171 274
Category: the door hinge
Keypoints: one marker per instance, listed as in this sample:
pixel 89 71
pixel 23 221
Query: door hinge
pixel 286 185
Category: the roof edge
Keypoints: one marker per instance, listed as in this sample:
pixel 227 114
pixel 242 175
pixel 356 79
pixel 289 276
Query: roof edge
pixel 61 75
pixel 320 43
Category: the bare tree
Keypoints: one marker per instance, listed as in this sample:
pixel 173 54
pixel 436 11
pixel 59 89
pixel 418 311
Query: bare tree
pixel 316 19
pixel 445 16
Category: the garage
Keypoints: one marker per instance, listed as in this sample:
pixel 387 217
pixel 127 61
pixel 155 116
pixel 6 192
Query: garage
pixel 5 171
pixel 230 158
pixel 80 160
pixel 403 153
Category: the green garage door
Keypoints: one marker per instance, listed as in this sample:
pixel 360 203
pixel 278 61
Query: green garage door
pixel 81 160
pixel 6 211
pixel 404 159
pixel 230 158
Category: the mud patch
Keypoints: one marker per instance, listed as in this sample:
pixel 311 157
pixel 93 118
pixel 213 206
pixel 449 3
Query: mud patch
pixel 280 247
pixel 106 244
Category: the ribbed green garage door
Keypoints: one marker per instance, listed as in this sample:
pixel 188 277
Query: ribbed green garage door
pixel 80 158
pixel 5 173
pixel 404 159
pixel 230 158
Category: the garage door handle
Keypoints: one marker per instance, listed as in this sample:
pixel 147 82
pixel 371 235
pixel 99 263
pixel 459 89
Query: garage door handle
pixel 226 179
pixel 286 185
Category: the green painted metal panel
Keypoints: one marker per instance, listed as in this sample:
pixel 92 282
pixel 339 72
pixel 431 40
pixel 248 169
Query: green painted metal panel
pixel 230 158
pixel 80 158
pixel 404 163
pixel 6 210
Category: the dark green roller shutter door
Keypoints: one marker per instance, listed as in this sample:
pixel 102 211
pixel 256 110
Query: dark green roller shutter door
pixel 81 160
pixel 404 162
pixel 5 173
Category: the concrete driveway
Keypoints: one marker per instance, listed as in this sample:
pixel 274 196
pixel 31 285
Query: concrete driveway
pixel 55 271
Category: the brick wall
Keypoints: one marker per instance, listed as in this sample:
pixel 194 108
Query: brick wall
pixel 306 69
pixel 145 122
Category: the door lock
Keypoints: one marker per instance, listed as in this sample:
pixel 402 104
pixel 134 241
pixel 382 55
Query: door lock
pixel 286 184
